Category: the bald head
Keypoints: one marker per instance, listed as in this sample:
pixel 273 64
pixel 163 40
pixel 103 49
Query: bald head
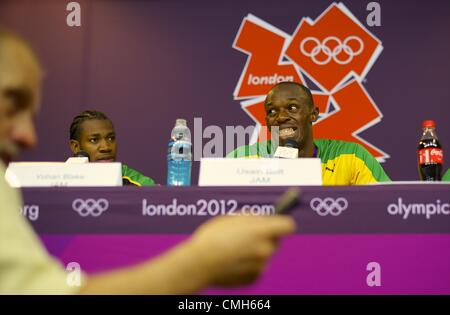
pixel 20 88
pixel 20 71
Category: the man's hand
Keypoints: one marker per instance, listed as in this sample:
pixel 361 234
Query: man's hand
pixel 234 250
pixel 224 251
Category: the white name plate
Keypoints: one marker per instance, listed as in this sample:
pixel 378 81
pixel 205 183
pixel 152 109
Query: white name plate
pixel 48 174
pixel 260 172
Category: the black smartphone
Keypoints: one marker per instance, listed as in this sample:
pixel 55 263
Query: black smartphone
pixel 287 200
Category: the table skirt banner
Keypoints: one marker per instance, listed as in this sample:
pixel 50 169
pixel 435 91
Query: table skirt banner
pixel 383 239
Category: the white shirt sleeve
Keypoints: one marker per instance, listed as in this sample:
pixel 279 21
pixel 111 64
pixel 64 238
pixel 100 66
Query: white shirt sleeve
pixel 25 265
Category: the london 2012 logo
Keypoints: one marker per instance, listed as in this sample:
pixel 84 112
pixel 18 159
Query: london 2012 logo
pixel 334 52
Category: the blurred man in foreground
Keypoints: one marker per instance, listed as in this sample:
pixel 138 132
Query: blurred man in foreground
pixel 224 251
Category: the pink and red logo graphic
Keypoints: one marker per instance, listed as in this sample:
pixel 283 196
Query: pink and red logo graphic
pixel 335 52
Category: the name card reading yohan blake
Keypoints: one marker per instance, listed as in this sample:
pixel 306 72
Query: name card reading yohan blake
pixel 49 174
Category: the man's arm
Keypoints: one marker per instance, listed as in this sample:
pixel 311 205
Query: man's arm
pixel 174 272
pixel 136 178
pixel 367 169
pixel 225 251
pixel 228 250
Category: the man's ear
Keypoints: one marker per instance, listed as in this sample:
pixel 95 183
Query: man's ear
pixel 74 146
pixel 314 114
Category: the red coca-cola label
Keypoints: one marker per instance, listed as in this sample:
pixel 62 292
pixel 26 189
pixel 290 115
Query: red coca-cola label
pixel 431 156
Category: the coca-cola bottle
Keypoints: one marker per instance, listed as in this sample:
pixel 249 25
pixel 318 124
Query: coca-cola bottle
pixel 430 154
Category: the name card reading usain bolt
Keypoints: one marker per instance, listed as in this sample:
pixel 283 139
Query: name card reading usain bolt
pixel 260 172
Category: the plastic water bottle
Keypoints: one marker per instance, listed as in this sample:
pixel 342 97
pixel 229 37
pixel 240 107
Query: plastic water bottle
pixel 179 156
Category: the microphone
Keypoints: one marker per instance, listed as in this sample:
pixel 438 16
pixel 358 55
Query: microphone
pixel 79 158
pixel 82 154
pixel 291 143
pixel 288 151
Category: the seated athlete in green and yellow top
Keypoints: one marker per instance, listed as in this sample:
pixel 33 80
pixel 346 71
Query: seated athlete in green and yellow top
pixel 91 131
pixel 290 107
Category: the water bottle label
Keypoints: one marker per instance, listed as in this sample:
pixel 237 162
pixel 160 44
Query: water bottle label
pixel 431 156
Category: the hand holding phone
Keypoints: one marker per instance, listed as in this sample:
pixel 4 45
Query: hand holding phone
pixel 287 201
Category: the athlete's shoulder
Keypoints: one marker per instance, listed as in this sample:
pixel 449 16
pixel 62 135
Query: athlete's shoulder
pixel 329 149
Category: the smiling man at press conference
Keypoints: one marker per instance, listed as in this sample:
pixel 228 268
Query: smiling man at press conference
pixel 290 107
pixel 223 251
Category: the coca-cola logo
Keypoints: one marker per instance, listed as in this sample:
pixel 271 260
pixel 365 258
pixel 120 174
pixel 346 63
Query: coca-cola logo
pixel 437 152
pixel 431 155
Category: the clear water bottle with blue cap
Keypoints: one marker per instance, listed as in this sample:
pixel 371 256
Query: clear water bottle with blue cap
pixel 179 156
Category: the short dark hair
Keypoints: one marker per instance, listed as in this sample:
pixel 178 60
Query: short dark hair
pixel 82 117
pixel 301 86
